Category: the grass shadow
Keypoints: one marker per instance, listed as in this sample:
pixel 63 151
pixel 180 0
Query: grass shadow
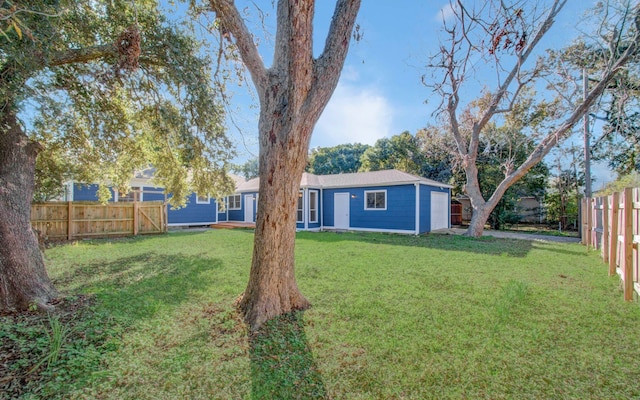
pixel 282 366
pixel 135 287
pixel 484 245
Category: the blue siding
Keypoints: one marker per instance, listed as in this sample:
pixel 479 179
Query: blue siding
pixel 222 216
pixel 399 215
pixel 425 208
pixel 82 192
pixel 193 213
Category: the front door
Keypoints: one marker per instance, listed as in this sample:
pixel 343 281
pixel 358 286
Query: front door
pixel 341 210
pixel 248 208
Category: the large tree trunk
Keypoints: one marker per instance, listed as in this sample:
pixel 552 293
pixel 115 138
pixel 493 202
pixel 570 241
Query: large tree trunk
pixel 292 93
pixel 272 289
pixel 23 279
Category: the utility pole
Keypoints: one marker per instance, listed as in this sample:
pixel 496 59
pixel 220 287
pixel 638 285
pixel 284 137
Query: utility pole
pixel 587 164
pixel 587 146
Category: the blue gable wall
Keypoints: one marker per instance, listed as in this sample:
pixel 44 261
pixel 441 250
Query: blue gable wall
pixel 399 215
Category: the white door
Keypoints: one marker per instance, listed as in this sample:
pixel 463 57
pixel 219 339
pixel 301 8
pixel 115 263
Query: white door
pixel 341 210
pixel 439 210
pixel 248 208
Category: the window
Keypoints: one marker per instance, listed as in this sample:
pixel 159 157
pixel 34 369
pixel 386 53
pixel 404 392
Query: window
pixel 203 199
pixel 375 200
pixel 234 202
pixel 221 206
pixel 134 194
pixel 300 213
pixel 313 206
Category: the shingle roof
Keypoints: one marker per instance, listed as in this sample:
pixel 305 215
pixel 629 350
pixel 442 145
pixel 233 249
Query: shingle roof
pixel 372 178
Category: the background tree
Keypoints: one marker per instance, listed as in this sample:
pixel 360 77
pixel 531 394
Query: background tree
pixel 108 86
pixel 618 142
pixel 631 179
pixel 563 196
pixel 437 150
pixel 505 36
pixel 401 152
pixel 340 159
pixel 292 94
pixel 248 170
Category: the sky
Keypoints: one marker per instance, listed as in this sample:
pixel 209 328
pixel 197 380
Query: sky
pixel 380 92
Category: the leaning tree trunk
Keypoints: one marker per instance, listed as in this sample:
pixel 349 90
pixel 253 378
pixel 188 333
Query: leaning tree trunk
pixel 23 279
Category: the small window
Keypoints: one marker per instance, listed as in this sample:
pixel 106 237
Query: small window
pixel 203 199
pixel 234 202
pixel 375 200
pixel 134 195
pixel 300 212
pixel 313 206
pixel 220 203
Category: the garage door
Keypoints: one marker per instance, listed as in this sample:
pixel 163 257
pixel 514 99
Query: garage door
pixel 439 210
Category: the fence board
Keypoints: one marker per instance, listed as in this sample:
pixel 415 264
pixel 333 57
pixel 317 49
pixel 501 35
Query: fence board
pixel 612 224
pixel 76 220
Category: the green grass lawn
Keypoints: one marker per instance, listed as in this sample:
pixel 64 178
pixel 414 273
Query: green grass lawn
pixel 393 317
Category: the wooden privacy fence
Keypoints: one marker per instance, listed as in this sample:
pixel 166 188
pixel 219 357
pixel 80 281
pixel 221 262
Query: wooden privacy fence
pixel 77 220
pixel 611 224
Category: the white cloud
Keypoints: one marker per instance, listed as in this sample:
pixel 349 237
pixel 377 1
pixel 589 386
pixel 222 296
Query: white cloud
pixel 353 115
pixel 446 13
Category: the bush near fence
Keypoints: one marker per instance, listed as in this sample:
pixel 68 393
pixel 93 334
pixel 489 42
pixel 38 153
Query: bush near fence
pixel 79 220
pixel 612 224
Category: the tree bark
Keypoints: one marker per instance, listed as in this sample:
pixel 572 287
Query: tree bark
pixel 23 278
pixel 272 289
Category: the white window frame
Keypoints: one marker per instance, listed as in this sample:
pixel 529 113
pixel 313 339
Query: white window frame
pixel 230 203
pixel 386 200
pixel 221 203
pixel 313 205
pixel 198 201
pixel 133 189
pixel 300 207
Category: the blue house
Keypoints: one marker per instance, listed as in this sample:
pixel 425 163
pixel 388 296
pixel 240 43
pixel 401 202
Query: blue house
pixel 200 209
pixel 377 201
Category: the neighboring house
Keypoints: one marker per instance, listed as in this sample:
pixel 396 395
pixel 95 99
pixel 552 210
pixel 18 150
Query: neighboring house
pixel 377 201
pixel 200 209
pixel 528 209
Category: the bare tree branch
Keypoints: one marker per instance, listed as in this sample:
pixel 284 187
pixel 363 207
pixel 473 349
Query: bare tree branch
pixel 232 23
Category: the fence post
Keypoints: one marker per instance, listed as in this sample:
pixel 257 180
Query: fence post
pixel 135 217
pixel 605 228
pixel 69 220
pixel 589 222
pixel 628 245
pixel 613 243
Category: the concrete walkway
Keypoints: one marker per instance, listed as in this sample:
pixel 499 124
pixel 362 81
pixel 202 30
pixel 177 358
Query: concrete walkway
pixel 512 235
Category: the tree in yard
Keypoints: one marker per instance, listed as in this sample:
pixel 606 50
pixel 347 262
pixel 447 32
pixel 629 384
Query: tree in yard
pixel 340 159
pixel 505 36
pixel 107 86
pixel 292 94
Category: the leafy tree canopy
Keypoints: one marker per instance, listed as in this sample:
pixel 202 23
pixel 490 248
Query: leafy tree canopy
pixel 343 158
pixel 109 87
